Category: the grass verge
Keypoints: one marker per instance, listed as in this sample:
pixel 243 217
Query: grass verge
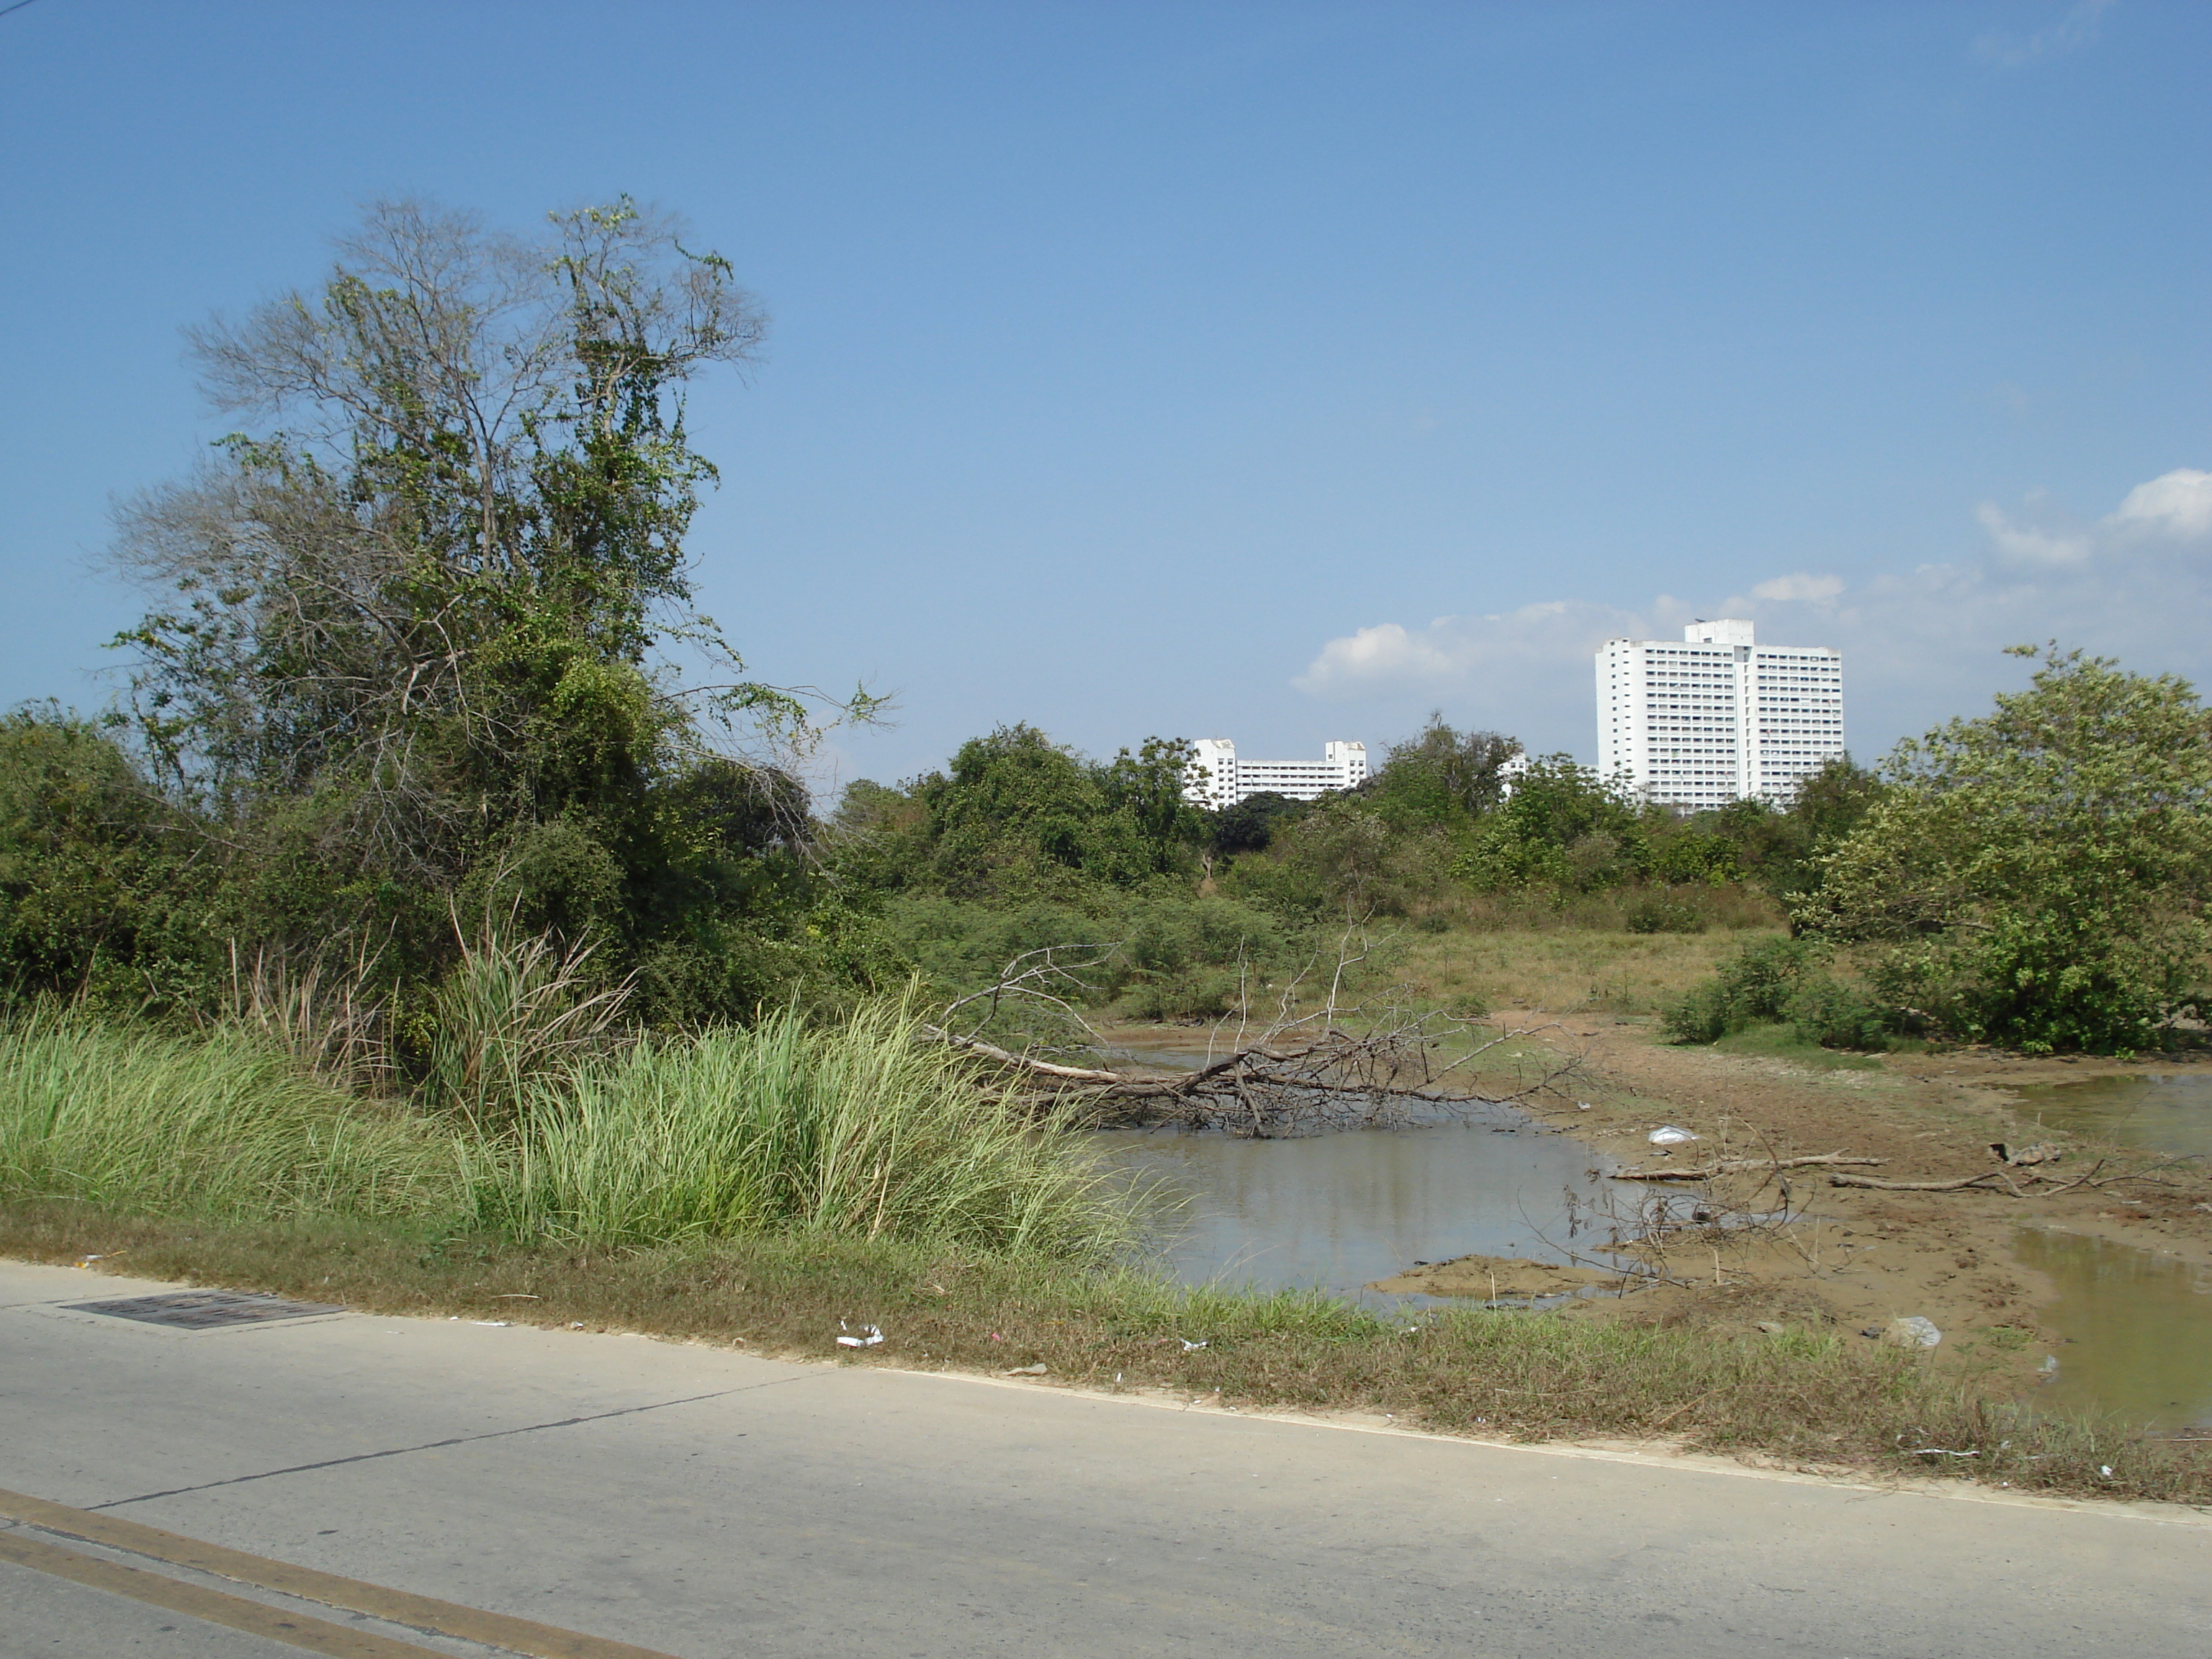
pixel 1806 1399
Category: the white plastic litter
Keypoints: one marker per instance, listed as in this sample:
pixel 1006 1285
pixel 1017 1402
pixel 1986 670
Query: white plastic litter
pixel 868 1338
pixel 1189 1347
pixel 1668 1135
pixel 495 1324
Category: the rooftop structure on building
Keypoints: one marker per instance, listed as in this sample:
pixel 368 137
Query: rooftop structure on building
pixel 1218 779
pixel 1717 718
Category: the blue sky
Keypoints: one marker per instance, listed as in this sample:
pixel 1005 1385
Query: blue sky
pixel 1278 372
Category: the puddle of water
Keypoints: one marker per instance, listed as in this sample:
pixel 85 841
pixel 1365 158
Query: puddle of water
pixel 2157 1114
pixel 1336 1211
pixel 2139 1327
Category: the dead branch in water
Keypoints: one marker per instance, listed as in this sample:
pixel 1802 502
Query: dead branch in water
pixel 1340 1065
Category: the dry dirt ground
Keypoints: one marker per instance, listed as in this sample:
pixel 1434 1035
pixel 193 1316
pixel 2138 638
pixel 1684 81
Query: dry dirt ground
pixel 1848 1258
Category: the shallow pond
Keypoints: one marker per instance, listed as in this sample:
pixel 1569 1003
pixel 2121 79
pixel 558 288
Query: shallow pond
pixel 2138 1327
pixel 2157 1114
pixel 1336 1212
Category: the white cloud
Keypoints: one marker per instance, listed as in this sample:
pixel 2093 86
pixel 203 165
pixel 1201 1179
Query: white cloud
pixel 1481 656
pixel 2177 503
pixel 1919 644
pixel 1804 587
pixel 2076 28
pixel 2031 544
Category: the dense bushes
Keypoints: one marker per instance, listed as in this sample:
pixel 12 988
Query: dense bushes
pixel 2037 877
pixel 1782 981
pixel 103 891
pixel 1161 954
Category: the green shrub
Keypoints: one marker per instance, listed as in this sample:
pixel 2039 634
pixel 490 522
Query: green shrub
pixel 1825 1010
pixel 1662 913
pixel 1782 981
pixel 1205 993
pixel 1701 1016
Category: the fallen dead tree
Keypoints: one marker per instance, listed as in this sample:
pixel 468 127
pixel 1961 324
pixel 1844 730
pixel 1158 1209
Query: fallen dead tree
pixel 1338 1064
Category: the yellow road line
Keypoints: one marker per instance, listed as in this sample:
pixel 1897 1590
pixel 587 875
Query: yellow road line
pixel 424 1612
pixel 197 1601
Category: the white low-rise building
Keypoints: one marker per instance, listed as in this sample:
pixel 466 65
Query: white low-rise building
pixel 1717 718
pixel 1218 779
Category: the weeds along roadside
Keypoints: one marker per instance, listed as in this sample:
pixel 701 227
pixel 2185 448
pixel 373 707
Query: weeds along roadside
pixel 843 1173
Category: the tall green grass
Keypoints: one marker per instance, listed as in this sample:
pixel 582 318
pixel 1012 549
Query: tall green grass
pixel 858 1129
pixel 515 1013
pixel 226 1124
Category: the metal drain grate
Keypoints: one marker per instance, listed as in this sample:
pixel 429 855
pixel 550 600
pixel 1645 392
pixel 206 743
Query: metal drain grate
pixel 204 1310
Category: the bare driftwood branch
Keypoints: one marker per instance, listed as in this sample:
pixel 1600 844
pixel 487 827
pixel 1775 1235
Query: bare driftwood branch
pixel 1025 1062
pixel 2149 1172
pixel 1738 1166
pixel 1959 1185
pixel 2003 1175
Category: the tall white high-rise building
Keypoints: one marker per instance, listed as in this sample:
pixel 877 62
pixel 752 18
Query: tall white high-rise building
pixel 1717 718
pixel 1218 779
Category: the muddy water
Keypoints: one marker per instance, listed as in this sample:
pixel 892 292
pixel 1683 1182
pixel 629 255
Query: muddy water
pixel 2157 1114
pixel 2137 1325
pixel 1334 1212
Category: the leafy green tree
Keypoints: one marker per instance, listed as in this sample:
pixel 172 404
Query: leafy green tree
pixel 1560 826
pixel 1148 788
pixel 1790 856
pixel 1251 824
pixel 1444 778
pixel 101 894
pixel 1017 816
pixel 2036 877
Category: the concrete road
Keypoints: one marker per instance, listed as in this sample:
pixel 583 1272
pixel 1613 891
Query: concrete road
pixel 706 1503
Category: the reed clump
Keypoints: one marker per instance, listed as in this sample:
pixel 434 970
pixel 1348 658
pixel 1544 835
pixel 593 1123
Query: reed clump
pixel 859 1128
